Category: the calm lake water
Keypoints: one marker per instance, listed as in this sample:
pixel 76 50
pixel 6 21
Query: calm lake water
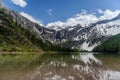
pixel 60 66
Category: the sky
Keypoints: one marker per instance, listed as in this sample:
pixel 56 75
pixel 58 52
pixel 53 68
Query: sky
pixel 65 12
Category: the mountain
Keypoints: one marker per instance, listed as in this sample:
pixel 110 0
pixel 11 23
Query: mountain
pixel 40 31
pixel 110 45
pixel 71 37
pixel 13 37
pixel 20 34
pixel 88 37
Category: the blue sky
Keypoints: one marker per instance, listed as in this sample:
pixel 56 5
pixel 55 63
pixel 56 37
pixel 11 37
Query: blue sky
pixel 47 11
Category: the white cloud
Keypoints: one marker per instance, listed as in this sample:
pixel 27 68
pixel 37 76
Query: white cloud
pixel 21 3
pixel 108 14
pixel 100 11
pixel 30 18
pixel 84 18
pixel 81 18
pixel 58 23
pixel 49 12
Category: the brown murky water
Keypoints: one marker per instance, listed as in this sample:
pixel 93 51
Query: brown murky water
pixel 60 66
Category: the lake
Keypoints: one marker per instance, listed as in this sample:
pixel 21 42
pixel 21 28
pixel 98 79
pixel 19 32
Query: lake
pixel 60 66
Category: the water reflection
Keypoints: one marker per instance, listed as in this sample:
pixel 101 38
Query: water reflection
pixel 87 58
pixel 80 66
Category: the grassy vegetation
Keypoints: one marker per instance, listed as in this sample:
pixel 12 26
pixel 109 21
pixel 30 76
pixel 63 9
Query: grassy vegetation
pixel 110 45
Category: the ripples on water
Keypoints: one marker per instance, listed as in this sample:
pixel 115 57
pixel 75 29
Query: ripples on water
pixel 61 66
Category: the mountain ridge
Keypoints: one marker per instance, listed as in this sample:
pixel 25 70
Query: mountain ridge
pixel 83 38
pixel 19 37
pixel 86 38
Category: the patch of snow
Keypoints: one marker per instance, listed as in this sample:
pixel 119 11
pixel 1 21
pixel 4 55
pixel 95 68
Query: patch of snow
pixel 79 30
pixel 85 46
pixel 77 38
pixel 110 28
pixel 70 28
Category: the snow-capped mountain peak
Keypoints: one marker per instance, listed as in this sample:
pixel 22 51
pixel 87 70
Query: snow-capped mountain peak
pixel 89 36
